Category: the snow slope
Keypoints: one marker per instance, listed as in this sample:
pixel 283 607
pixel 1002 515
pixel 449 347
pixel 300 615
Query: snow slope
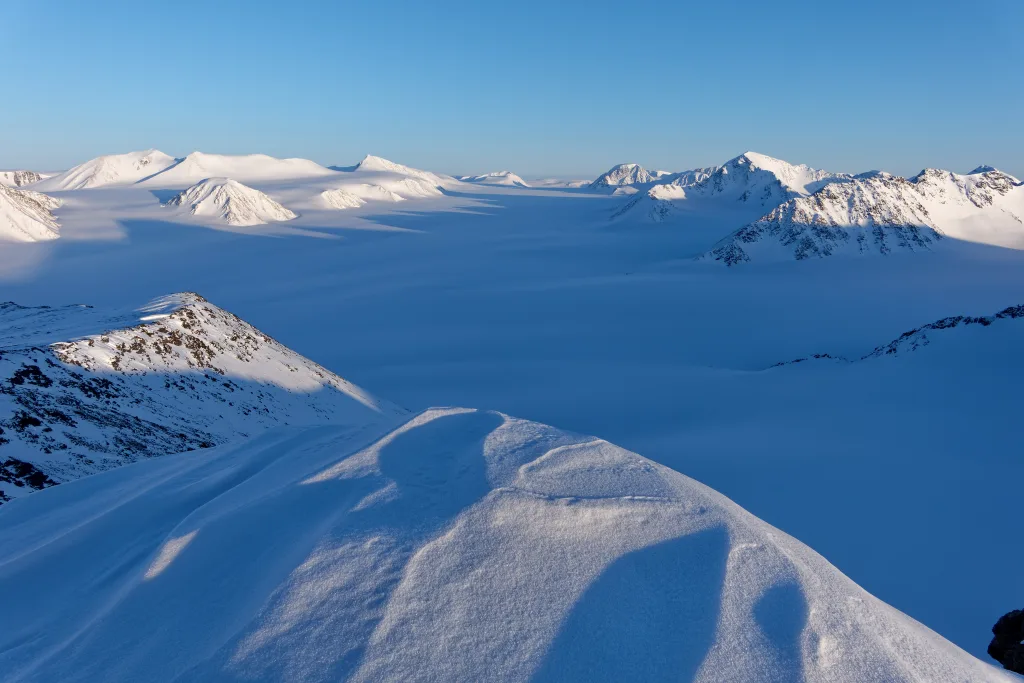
pixel 198 166
pixel 19 178
pixel 26 216
pixel 622 174
pixel 114 169
pixel 880 213
pixel 496 178
pixel 86 390
pixel 373 164
pixel 460 546
pixel 231 202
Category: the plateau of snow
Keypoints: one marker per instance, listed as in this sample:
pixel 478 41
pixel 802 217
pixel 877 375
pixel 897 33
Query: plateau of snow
pixel 531 302
pixel 496 178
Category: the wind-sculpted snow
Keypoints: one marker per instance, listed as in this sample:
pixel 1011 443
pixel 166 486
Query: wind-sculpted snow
pixel 460 546
pixel 27 216
pixel 923 336
pixel 190 376
pixel 113 169
pixel 231 202
pixel 879 213
pixel 19 178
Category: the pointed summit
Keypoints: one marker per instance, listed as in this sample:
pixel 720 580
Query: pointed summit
pixel 231 202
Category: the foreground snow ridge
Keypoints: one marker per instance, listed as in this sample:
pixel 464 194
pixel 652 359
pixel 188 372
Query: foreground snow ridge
pixel 460 546
pixel 27 216
pixel 231 202
pixel 178 375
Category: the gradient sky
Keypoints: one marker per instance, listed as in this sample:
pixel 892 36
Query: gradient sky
pixel 561 88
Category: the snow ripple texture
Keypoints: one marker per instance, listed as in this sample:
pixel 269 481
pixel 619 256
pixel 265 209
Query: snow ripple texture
pixel 462 545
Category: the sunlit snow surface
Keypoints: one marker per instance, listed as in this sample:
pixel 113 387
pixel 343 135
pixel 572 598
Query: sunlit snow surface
pixel 900 470
pixel 462 546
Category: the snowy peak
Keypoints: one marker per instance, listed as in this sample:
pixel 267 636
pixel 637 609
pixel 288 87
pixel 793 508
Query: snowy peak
pixel 110 170
pixel 496 178
pixel 27 216
pixel 231 202
pixel 374 164
pixel 753 177
pixel 182 374
pixel 19 178
pixel 622 174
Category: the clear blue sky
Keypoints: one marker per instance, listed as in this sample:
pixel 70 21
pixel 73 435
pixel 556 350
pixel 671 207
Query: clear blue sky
pixel 541 88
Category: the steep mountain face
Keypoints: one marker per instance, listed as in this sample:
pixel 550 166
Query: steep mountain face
pixel 879 213
pixel 188 376
pixel 27 216
pixel 198 166
pixel 461 545
pixel 496 178
pixel 111 170
pixel 231 202
pixel 19 178
pixel 622 174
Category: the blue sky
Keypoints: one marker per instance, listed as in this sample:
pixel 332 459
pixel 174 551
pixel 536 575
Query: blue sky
pixel 541 88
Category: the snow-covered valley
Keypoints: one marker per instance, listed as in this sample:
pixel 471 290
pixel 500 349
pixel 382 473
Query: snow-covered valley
pixel 595 311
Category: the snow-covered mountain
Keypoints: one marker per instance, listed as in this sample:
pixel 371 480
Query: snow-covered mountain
pixel 622 174
pixel 231 202
pixel 748 186
pixel 496 178
pixel 373 164
pixel 689 178
pixel 19 178
pixel 353 195
pixel 26 216
pixel 879 213
pixel 113 169
pixel 198 166
pixel 86 390
pixel 462 545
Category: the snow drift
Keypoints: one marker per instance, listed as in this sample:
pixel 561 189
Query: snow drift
pixel 86 390
pixel 27 216
pixel 231 202
pixel 460 546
